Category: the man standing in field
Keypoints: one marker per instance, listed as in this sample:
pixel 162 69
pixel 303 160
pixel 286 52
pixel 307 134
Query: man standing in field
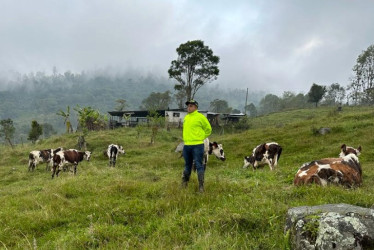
pixel 196 128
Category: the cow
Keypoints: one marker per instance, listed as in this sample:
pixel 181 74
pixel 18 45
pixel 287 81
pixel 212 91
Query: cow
pixel 345 171
pixel 266 153
pixel 42 156
pixel 210 148
pixel 68 157
pixel 213 148
pixel 112 152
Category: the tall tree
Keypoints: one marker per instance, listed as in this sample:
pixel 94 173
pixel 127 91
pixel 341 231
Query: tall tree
pixel 335 94
pixel 252 110
pixel 180 98
pixel 220 106
pixel 270 103
pixel 7 130
pixel 35 132
pixel 156 101
pixel 195 66
pixel 363 82
pixel 90 119
pixel 316 93
pixel 121 104
pixel 48 130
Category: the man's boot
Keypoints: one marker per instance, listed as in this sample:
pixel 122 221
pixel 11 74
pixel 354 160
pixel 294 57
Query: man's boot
pixel 185 179
pixel 200 177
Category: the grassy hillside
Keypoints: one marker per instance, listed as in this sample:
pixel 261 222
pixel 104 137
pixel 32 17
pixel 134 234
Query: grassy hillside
pixel 139 204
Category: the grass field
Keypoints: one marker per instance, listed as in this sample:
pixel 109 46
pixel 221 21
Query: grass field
pixel 139 204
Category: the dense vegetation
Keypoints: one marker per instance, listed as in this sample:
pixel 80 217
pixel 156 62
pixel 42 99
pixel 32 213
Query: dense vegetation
pixel 39 97
pixel 139 204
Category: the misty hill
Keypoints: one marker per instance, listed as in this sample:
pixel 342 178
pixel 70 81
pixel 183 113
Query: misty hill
pixel 39 96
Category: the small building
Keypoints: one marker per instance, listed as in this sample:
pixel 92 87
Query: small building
pixel 232 117
pixel 173 117
pixel 130 118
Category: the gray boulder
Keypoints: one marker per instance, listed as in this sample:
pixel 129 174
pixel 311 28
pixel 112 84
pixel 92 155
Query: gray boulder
pixel 330 226
pixel 324 131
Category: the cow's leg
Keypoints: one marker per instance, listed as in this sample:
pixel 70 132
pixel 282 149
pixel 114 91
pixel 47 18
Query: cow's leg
pixel 270 163
pixel 275 160
pixel 255 164
pixel 114 161
pixel 53 171
pixel 58 171
pixel 205 160
pixel 75 169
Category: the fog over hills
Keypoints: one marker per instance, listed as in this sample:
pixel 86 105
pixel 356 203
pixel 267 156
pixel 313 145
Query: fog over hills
pixel 38 96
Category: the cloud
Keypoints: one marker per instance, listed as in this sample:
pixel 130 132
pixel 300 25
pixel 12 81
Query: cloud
pixel 275 45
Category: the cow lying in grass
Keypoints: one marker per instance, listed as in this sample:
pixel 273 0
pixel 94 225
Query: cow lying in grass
pixel 266 153
pixel 42 156
pixel 345 170
pixel 69 157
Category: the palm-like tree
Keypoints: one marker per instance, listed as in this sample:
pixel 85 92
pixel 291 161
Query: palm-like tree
pixel 66 116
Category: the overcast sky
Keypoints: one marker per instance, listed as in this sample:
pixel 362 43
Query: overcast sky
pixel 271 45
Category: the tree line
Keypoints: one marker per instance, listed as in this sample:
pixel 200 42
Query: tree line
pixel 42 97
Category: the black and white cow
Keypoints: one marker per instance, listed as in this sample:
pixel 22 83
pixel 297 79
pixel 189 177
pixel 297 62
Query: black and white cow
pixel 42 156
pixel 213 148
pixel 345 170
pixel 210 148
pixel 68 158
pixel 112 152
pixel 266 153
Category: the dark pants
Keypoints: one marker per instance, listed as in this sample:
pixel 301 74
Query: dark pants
pixel 193 153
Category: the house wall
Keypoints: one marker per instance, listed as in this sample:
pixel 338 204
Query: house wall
pixel 176 117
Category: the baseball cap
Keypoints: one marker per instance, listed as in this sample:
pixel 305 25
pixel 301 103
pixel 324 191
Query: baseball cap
pixel 192 102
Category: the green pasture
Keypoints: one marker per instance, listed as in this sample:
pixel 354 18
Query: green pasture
pixel 140 205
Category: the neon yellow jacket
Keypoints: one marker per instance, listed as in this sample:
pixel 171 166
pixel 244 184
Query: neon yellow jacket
pixel 196 128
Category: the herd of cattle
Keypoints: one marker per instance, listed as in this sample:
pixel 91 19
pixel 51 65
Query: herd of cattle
pixel 344 170
pixel 61 160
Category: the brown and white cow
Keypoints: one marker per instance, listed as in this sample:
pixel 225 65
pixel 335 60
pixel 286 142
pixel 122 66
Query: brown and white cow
pixel 42 156
pixel 345 170
pixel 67 158
pixel 266 153
pixel 112 152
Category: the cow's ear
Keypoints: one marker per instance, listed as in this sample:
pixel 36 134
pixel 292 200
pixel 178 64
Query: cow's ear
pixel 344 147
pixel 359 148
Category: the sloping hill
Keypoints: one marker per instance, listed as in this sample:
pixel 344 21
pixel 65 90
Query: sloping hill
pixel 139 204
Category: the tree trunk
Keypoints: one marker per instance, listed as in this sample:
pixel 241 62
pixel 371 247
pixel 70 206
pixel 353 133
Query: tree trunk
pixel 10 143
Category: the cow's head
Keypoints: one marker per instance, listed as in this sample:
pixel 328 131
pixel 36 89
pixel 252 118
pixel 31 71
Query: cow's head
pixel 121 150
pixel 345 150
pixel 217 150
pixel 249 160
pixel 87 155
